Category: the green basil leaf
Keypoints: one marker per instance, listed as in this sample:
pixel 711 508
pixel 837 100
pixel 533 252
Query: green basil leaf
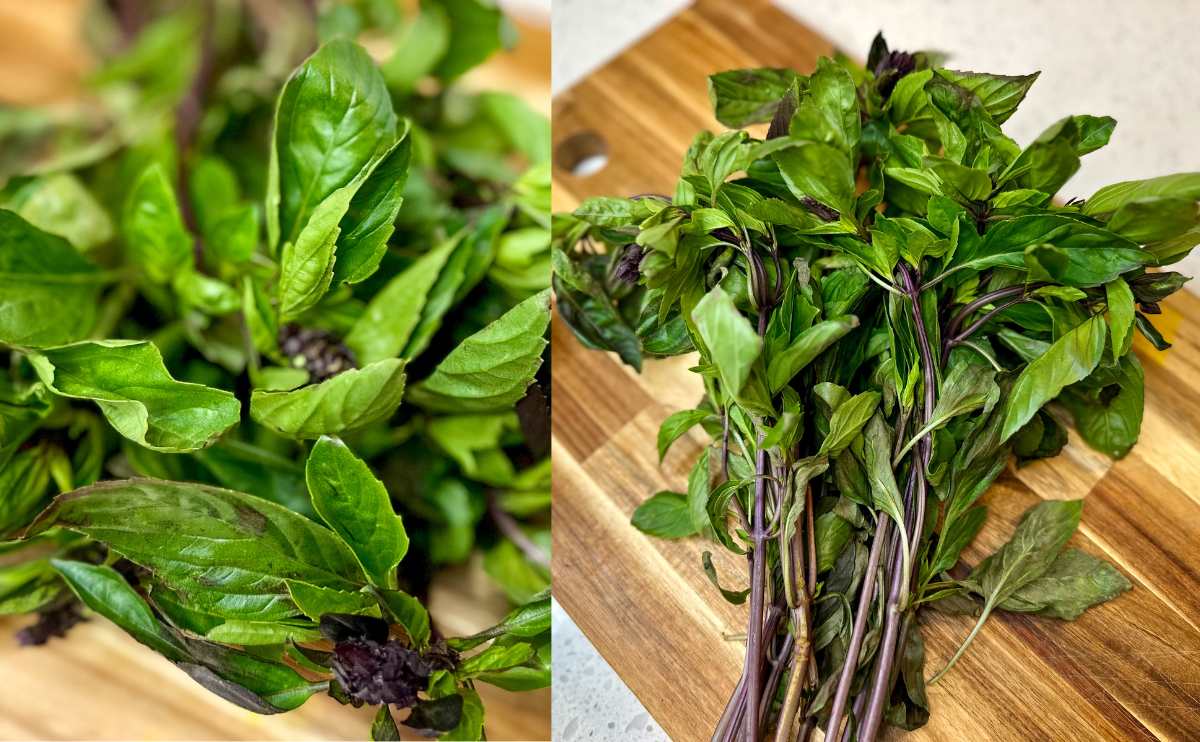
pixel 819 171
pixel 529 620
pixel 224 550
pixel 809 344
pixel 259 633
pixel 420 43
pixel 699 488
pixel 407 611
pixel 877 445
pixel 999 94
pixel 847 422
pixel 157 240
pixel 1034 546
pixel 477 30
pixel 334 118
pixel 129 383
pixel 314 601
pixel 27 586
pixel 750 96
pixel 494 658
pixel 48 291
pixel 729 339
pixel 828 110
pixel 60 204
pixel 383 728
pixel 470 725
pixel 394 312
pixel 351 400
pixel 252 682
pixel 1069 359
pixel 675 426
pixel 1074 582
pixel 370 218
pixel 1112 197
pixel 665 515
pixel 1120 315
pixel 1111 420
pixel 358 508
pixel 491 369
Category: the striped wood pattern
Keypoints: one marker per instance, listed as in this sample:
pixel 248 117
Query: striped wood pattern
pixel 100 684
pixel 1128 670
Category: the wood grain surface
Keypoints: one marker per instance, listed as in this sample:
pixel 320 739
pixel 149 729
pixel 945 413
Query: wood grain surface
pixel 101 684
pixel 1127 670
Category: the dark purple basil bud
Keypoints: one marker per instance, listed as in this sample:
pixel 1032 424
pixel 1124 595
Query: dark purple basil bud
pixel 319 352
pixel 51 622
pixel 901 62
pixel 378 673
pixel 819 210
pixel 890 68
pixel 629 264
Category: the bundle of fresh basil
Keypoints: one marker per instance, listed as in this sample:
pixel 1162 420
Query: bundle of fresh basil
pixel 274 419
pixel 888 305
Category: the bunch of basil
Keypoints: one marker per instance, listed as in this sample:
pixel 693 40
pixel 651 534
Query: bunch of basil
pixel 887 304
pixel 268 415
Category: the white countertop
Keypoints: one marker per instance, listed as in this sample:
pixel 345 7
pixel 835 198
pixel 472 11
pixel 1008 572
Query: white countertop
pixel 1134 61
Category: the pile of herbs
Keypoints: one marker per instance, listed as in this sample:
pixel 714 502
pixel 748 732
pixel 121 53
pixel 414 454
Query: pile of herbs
pixel 888 305
pixel 277 338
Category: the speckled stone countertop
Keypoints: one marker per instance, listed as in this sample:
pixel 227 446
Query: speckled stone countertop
pixel 1135 62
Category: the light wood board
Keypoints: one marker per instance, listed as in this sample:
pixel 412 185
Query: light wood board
pixel 1128 670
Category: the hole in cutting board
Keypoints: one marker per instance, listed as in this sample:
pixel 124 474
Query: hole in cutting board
pixel 583 154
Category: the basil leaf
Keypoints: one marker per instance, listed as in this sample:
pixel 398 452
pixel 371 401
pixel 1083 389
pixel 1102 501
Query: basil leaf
pixel 877 445
pixel 129 383
pixel 252 682
pixel 370 218
pixel 334 118
pixel 420 43
pixel 407 611
pixel 999 94
pixel 1074 582
pixel 351 400
pixel 1110 419
pixel 1112 197
pixel 232 554
pixel 819 171
pixel 676 426
pixel 809 344
pixel 358 508
pixel 828 110
pixel 847 422
pixel 750 96
pixel 665 515
pixel 470 725
pixel 1069 359
pixel 48 291
pixel 968 387
pixel 1120 315
pixel 528 620
pixel 61 205
pixel 384 726
pixel 314 601
pixel 157 240
pixel 477 30
pixel 730 341
pixel 395 311
pixel 491 369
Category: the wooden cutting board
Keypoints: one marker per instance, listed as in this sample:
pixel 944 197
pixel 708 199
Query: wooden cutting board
pixel 1127 670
